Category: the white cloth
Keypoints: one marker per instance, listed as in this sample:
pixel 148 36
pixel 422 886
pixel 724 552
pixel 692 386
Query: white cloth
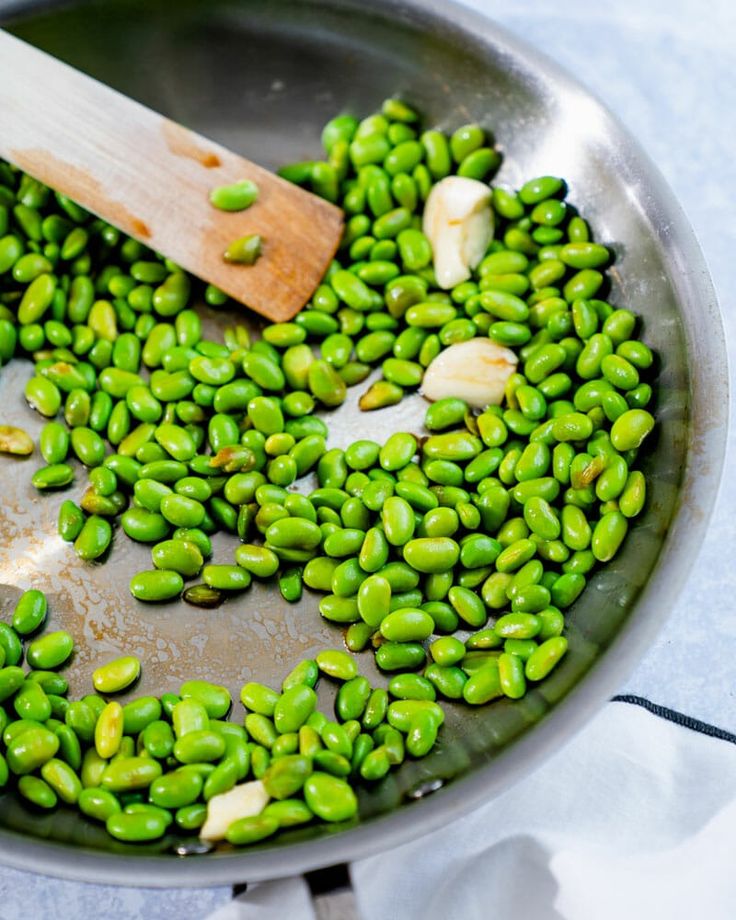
pixel 635 818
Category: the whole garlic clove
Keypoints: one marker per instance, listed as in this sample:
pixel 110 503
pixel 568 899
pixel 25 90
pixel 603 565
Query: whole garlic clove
pixel 458 222
pixel 476 371
pixel 243 801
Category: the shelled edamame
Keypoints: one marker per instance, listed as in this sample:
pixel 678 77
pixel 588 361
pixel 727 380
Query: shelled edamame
pixel 466 544
pixel 157 765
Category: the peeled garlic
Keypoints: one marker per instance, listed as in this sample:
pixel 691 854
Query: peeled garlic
pixel 476 371
pixel 458 222
pixel 243 801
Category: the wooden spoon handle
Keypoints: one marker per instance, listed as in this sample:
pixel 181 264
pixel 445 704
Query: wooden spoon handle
pixel 151 177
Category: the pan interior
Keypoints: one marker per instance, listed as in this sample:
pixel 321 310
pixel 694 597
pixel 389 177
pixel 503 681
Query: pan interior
pixel 262 77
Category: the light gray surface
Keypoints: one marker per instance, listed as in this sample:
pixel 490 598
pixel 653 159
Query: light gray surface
pixel 666 70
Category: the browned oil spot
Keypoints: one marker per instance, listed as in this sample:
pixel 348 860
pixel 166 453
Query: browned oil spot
pixel 78 184
pixel 182 142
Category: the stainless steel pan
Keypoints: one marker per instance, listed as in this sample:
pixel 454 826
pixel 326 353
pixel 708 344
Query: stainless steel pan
pixel 262 76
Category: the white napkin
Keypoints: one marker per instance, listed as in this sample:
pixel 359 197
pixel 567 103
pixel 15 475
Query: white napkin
pixel 635 819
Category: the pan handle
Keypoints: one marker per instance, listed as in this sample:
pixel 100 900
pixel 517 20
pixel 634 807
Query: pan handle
pixel 326 894
pixel 332 893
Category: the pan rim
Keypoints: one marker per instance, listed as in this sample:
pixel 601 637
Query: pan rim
pixel 708 432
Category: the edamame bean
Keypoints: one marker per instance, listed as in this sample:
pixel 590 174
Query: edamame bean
pixel 407 625
pixel 336 664
pixel 630 429
pixel 483 685
pixel 545 658
pixel 178 556
pixel 31 750
pixel 136 828
pixel 156 585
pixel 50 651
pixel 30 612
pixel 235 197
pixel 109 730
pixel 116 675
pixel 293 708
pixel 330 798
pixel 98 804
pixel 94 538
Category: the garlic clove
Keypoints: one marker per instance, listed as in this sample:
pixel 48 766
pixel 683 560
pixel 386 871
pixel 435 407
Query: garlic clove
pixel 476 371
pixel 243 801
pixel 458 222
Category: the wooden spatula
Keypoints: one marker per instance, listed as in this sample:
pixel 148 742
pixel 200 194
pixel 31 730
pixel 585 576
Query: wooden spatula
pixel 151 178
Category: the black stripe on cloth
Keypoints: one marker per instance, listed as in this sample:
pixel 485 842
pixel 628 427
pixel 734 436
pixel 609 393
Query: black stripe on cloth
pixel 679 718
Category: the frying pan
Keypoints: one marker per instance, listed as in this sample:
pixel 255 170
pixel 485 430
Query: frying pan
pixel 262 76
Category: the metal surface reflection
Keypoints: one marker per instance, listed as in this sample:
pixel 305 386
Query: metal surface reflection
pixel 262 77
